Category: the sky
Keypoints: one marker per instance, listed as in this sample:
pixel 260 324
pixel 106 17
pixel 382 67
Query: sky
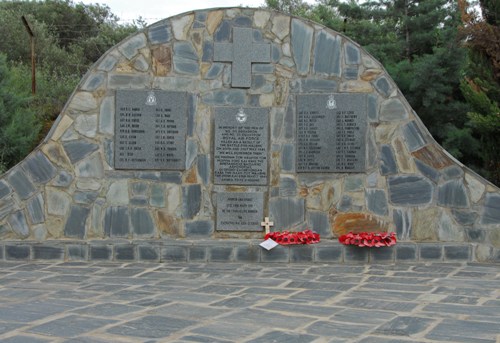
pixel 154 10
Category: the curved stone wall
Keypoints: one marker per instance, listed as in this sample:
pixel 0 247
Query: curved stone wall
pixel 69 188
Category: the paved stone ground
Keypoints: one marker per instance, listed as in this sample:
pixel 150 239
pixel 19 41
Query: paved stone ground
pixel 186 302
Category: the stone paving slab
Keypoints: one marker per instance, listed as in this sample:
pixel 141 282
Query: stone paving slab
pixel 96 302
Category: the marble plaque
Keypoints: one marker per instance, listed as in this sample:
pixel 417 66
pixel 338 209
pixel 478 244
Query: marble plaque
pixel 241 146
pixel 150 129
pixel 240 211
pixel 331 133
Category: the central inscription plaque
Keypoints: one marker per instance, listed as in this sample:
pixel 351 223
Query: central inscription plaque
pixel 150 129
pixel 241 146
pixel 331 132
pixel 240 211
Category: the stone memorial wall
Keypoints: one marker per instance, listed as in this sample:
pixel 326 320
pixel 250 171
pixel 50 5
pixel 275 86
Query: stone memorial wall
pixel 202 124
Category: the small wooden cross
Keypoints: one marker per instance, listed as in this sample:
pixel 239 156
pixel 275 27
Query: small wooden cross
pixel 267 224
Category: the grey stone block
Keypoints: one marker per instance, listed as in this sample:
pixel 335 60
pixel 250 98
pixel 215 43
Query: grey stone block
pixel 453 194
pixel 301 41
pixel 320 223
pixel 326 54
pixel 405 326
pixel 204 168
pixel 376 201
pixel 19 224
pixel 289 122
pixel 427 171
pixel 355 254
pixel 350 73
pixel 93 81
pixel 116 222
pixel 345 204
pixel 198 254
pixel 2 256
pixel 4 189
pixel 388 164
pixel 223 32
pixel 142 222
pixel 352 54
pixel 491 211
pixel 331 253
pixel 21 183
pixel 76 224
pixel 235 97
pixel 457 252
pixel 281 253
pixel 302 253
pixel 431 252
pixel 101 252
pixel 242 21
pixel 247 253
pixel 372 108
pixel 77 252
pixel 313 86
pixel 200 228
pixel 17 252
pixel 413 136
pixel 43 252
pixel 208 51
pixel 148 253
pixel 39 167
pixel 393 110
pixel 464 217
pixel 288 187
pixel 285 212
pixel 402 220
pixel 382 254
pixel 288 158
pixel 86 198
pixel 410 190
pixel 383 86
pixel 160 33
pixel 78 150
pixel 406 252
pixel 215 71
pixel 221 254
pixel 475 235
pixel 452 172
pixel 174 253
pixel 125 252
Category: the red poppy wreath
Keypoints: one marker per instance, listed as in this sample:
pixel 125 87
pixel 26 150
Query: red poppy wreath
pixel 369 239
pixel 287 238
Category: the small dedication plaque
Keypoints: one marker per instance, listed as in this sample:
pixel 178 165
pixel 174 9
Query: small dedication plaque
pixel 150 129
pixel 240 211
pixel 331 132
pixel 241 146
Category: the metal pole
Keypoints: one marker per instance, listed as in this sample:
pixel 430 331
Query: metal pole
pixel 32 41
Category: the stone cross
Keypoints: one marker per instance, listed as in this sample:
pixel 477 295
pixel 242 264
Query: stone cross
pixel 267 224
pixel 242 52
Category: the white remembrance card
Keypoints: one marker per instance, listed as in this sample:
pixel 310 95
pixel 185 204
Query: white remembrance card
pixel 268 244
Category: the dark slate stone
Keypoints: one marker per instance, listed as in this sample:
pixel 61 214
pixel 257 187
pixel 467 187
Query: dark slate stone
pixel 35 207
pixel 247 253
pixel 125 252
pixel 221 253
pixel 78 150
pixel 413 136
pixel 383 254
pixel 277 254
pixel 234 97
pixel 185 58
pixel 258 81
pixel 148 253
pixel 289 120
pixel 286 212
pixel 85 197
pixel 457 252
pixel 452 172
pixel 63 179
pixel 4 229
pixel 402 221
pixel 75 225
pixel 17 252
pixel 406 252
pixel 159 34
pixel 431 252
pixel 464 217
pixel 355 254
pixel 6 207
pixel 301 253
pixel 327 54
pixel 288 158
pixel 345 204
pixel 198 228
pixel 258 68
pixel 352 54
pixel 453 194
pixel 43 252
pixel 254 100
pixel 109 151
pixel 275 53
pixel 191 201
pixel 383 86
pixel 301 40
pixel 427 171
pixel 376 201
pixel 139 201
pixel 313 86
pixel 288 187
pixel 242 21
pixel 4 189
pixel 208 51
pixel 410 190
pixel 214 71
pixel 171 177
pixel 257 36
pixel 405 326
pixel 388 164
pixel 93 81
pixel 198 254
pixel 475 235
pixel 350 73
pixel 329 253
pixel 39 167
pixel 142 222
pixel 21 184
pixel 101 252
pixel 19 224
pixel 223 32
pixel 77 252
pixel 320 223
pixel 372 108
pixel 204 168
pixel 201 16
pixel 140 188
pixel 174 253
pixel 491 211
pixel 116 222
